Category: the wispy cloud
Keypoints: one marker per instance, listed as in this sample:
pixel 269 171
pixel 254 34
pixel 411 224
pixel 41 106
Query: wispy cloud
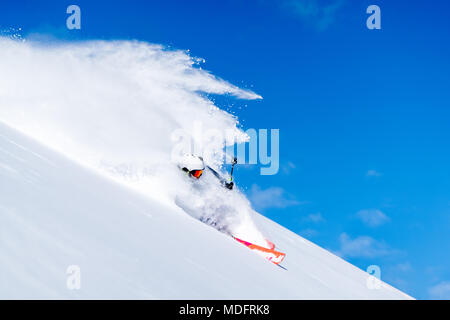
pixel 318 13
pixel 440 291
pixel 397 273
pixel 434 273
pixel 362 246
pixel 273 197
pixel 372 217
pixel 403 267
pixel 308 233
pixel 373 173
pixel 314 217
pixel 288 167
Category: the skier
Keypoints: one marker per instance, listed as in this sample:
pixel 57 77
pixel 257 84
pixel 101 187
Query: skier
pixel 213 211
pixel 194 166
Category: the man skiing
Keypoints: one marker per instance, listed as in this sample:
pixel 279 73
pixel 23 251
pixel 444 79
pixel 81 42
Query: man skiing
pixel 194 166
pixel 211 209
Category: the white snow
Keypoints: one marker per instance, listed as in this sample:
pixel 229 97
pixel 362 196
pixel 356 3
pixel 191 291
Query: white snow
pixel 86 179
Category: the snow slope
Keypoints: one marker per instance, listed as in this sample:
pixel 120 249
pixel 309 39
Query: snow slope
pixel 97 185
pixel 54 213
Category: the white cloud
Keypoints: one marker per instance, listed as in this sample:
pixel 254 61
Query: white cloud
pixel 440 291
pixel 403 267
pixel 288 167
pixel 434 273
pixel 273 197
pixel 372 217
pixel 362 246
pixel 315 12
pixel 373 173
pixel 314 217
pixel 308 233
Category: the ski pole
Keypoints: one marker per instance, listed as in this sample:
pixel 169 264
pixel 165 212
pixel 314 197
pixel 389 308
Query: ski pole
pixel 232 167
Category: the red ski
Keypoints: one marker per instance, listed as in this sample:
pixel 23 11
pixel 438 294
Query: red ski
pixel 270 254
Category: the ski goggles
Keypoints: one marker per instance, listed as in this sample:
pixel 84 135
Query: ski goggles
pixel 196 173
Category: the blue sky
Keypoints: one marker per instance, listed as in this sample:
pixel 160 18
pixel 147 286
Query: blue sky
pixel 363 114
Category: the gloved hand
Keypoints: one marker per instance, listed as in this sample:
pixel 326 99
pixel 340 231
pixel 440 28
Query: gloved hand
pixel 229 185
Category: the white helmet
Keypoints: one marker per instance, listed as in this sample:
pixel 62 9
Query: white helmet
pixel 192 164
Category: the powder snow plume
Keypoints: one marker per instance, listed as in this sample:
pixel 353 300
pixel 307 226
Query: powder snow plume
pixel 114 105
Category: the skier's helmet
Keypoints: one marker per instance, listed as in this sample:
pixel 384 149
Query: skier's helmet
pixel 193 165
